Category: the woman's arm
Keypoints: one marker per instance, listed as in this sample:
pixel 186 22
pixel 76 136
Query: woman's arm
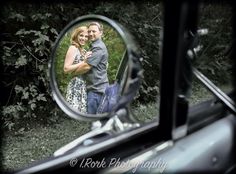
pixel 69 67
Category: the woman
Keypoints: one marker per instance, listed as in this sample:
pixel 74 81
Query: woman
pixel 76 94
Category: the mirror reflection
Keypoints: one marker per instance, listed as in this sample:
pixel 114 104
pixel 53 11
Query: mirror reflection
pixel 87 62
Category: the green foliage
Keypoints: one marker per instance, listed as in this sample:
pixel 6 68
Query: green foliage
pixel 25 53
pixel 116 50
pixel 62 78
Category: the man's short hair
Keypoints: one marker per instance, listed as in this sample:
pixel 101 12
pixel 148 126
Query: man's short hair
pixel 100 26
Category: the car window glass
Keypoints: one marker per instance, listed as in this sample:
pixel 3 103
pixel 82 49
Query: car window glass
pixel 213 58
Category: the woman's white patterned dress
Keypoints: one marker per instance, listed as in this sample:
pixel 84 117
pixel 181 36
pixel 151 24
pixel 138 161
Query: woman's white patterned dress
pixel 76 93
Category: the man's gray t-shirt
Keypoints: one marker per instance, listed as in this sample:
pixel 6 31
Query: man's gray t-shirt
pixel 96 77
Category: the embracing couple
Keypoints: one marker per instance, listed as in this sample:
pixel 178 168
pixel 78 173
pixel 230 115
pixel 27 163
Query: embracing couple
pixel 86 88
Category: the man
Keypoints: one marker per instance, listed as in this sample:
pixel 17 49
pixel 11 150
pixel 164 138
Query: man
pixel 96 65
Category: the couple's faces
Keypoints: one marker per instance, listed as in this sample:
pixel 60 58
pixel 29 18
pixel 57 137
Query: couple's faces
pixel 93 34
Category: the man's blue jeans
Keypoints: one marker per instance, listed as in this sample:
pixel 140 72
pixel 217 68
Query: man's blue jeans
pixel 93 101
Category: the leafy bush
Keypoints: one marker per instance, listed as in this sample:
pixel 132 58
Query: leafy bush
pixel 29 31
pixel 27 40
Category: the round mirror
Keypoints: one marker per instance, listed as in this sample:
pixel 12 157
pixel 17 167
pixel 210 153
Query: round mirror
pixel 94 68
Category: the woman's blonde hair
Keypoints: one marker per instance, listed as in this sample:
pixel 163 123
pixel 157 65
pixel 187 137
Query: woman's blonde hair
pixel 74 36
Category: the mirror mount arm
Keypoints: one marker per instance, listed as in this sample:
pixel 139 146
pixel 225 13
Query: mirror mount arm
pixel 111 127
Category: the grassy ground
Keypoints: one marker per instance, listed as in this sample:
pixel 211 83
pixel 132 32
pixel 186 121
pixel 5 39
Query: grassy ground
pixel 150 111
pixel 41 140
